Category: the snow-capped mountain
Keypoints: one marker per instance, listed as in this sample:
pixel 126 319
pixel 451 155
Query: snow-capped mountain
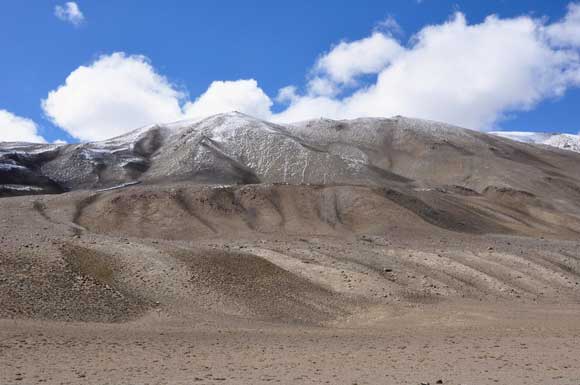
pixel 564 141
pixel 234 148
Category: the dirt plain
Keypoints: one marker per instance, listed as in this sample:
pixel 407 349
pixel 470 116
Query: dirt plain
pixel 187 284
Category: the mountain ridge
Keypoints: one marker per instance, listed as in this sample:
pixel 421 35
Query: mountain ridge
pixel 234 148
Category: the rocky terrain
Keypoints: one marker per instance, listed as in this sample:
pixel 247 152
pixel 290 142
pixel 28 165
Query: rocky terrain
pixel 234 250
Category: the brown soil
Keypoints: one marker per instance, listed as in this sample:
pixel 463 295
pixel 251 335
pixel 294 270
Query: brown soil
pixel 180 284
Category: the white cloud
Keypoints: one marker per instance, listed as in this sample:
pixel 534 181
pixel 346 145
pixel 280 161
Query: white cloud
pixel 311 107
pixel 322 86
pixel 114 94
pixel 390 26
pixel 223 96
pixel 567 32
pixel 118 93
pixel 366 56
pixel 287 94
pixel 69 12
pixel 470 75
pixel 14 128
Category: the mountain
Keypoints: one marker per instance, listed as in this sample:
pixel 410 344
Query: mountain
pixel 235 148
pixel 234 218
pixel 450 176
pixel 563 141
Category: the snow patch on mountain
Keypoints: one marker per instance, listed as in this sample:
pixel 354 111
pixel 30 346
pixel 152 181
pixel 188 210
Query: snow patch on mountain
pixel 563 141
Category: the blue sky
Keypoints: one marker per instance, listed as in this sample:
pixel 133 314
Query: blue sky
pixel 193 43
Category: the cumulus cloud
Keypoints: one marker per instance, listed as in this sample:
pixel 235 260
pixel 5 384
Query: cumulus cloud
pixel 14 128
pixel 472 75
pixel 322 86
pixel 222 96
pixel 69 12
pixel 366 56
pixel 110 96
pixel 118 93
pixel 466 74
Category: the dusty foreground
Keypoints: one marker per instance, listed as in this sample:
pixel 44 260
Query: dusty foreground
pixel 183 284
pixel 429 344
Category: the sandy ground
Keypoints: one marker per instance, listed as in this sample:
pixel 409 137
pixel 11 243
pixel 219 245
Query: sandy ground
pixel 449 345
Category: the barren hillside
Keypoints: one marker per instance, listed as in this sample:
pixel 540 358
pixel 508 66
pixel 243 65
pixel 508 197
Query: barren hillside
pixel 237 250
pixel 309 222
